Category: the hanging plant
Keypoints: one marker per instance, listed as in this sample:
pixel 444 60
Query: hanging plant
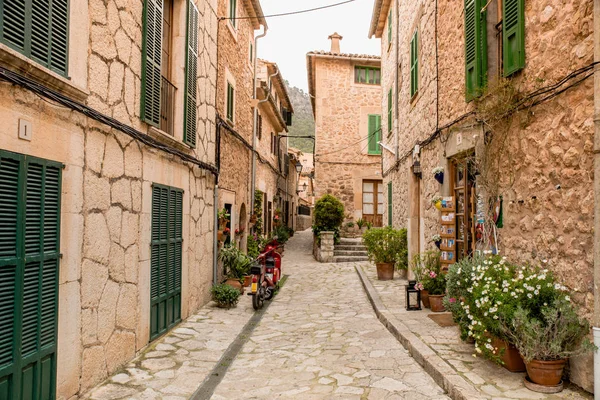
pixel 438 174
pixel 437 240
pixel 437 202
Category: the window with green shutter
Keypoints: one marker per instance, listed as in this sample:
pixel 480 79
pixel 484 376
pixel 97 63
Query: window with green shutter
pixel 367 75
pixel 475 48
pixel 191 72
pixel 389 201
pixel 151 62
pixel 513 36
pixel 414 64
pixel 233 12
pixel 374 134
pixel 39 29
pixel 390 116
pixel 30 191
pixel 390 22
pixel 230 102
pixel 165 259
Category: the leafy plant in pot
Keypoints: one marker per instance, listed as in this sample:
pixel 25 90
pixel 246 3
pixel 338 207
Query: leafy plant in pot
pixel 548 339
pixel 383 246
pixel 421 264
pixel 236 265
pixel 438 174
pixel 224 295
pixel 435 283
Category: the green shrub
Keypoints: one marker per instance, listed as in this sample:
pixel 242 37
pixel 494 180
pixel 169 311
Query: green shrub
pixel 329 215
pixel 225 295
pixel 282 233
pixel 387 245
pixel 253 244
pixel 235 262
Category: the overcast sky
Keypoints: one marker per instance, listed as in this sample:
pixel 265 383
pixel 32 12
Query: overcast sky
pixel 291 37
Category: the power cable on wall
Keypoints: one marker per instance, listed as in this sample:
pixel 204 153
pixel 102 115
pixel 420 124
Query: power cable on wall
pixel 350 145
pixel 292 12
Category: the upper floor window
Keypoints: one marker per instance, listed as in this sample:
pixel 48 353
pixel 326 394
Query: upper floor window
pixel 513 36
pixel 390 21
pixel 38 29
pixel 374 134
pixel 367 75
pixel 230 102
pixel 414 64
pixel 475 48
pixel 233 12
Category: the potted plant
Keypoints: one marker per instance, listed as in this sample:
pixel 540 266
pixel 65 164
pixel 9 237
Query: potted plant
pixel 383 246
pixel 236 265
pixel 437 202
pixel 547 339
pixel 223 217
pixel 421 264
pixel 435 284
pixel 361 224
pixel 437 240
pixel 438 174
pixel 225 296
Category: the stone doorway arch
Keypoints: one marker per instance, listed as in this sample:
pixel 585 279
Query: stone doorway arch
pixel 243 228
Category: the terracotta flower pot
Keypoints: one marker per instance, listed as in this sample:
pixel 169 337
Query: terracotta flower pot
pixel 511 358
pixel 385 271
pixel 436 302
pixel 234 283
pixel 547 373
pixel 425 298
pixel 247 280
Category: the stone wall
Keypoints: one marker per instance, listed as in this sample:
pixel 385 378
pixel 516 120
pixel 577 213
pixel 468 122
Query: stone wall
pixel 104 285
pixel 543 156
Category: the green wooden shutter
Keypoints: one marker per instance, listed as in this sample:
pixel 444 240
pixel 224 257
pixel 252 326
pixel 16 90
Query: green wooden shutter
pixel 389 199
pixel 475 48
pixel 513 36
pixel 151 65
pixel 374 134
pixel 390 21
pixel 233 12
pixel 191 72
pixel 38 29
pixel 230 102
pixel 389 111
pixel 29 268
pixel 165 259
pixel 414 64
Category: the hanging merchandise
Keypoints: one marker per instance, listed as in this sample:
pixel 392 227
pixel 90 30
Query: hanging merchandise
pixel 498 213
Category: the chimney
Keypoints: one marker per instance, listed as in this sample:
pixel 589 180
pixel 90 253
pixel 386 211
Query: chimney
pixel 335 42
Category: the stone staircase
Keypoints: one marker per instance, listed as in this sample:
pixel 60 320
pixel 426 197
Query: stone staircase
pixel 350 250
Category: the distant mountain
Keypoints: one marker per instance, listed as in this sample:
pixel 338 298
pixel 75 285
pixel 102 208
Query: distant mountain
pixel 303 121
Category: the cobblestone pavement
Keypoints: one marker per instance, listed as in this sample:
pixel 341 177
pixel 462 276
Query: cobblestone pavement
pixel 490 380
pixel 175 365
pixel 320 339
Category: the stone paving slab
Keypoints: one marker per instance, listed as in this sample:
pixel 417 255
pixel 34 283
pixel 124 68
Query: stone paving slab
pixel 175 365
pixel 320 339
pixel 441 352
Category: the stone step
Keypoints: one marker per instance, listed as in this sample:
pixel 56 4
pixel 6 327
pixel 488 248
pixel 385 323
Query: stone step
pixel 349 259
pixel 349 241
pixel 349 247
pixel 344 253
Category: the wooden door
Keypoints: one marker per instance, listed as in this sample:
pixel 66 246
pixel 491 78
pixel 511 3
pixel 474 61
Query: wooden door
pixel 372 202
pixel 463 188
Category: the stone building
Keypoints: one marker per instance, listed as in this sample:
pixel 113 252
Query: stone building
pixel 305 183
pixel 239 70
pixel 345 92
pixel 502 100
pixel 107 171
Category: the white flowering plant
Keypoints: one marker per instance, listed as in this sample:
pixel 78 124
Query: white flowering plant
pixel 487 291
pixel 436 238
pixel 437 170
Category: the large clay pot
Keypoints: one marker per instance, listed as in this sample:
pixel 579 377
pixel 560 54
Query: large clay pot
pixel 234 283
pixel 385 271
pixel 247 280
pixel 511 358
pixel 436 302
pixel 425 298
pixel 547 373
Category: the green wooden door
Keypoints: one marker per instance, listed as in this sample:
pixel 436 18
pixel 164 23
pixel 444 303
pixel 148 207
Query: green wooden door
pixel 29 261
pixel 165 280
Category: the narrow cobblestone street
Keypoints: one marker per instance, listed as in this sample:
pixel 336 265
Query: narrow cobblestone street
pixel 319 339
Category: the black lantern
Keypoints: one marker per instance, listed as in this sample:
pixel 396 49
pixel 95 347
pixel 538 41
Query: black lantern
pixel 413 297
pixel 417 169
pixel 298 167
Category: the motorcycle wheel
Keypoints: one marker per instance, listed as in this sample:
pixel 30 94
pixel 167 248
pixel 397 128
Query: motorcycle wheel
pixel 270 293
pixel 258 298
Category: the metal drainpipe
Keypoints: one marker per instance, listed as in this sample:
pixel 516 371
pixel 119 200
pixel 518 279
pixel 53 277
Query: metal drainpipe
pixel 255 118
pixel 397 132
pixel 215 238
pixel 596 320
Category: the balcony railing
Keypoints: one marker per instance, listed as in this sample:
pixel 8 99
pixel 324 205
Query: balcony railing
pixel 167 106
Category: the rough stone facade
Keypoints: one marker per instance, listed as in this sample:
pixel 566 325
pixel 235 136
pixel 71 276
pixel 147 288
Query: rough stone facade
pixel 104 285
pixel 544 159
pixel 342 108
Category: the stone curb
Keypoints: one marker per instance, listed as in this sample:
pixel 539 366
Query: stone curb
pixel 442 373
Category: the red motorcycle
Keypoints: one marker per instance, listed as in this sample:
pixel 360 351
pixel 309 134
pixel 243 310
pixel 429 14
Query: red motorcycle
pixel 266 274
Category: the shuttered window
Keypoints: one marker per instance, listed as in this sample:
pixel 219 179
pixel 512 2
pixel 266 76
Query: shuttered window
pixel 390 20
pixel 414 64
pixel 389 201
pixel 367 75
pixel 233 12
pixel 38 29
pixel 475 48
pixel 513 36
pixel 151 66
pixel 389 111
pixel 191 72
pixel 374 134
pixel 230 102
pixel 29 260
pixel 165 265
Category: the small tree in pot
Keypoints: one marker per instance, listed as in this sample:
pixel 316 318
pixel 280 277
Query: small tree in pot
pixel 383 246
